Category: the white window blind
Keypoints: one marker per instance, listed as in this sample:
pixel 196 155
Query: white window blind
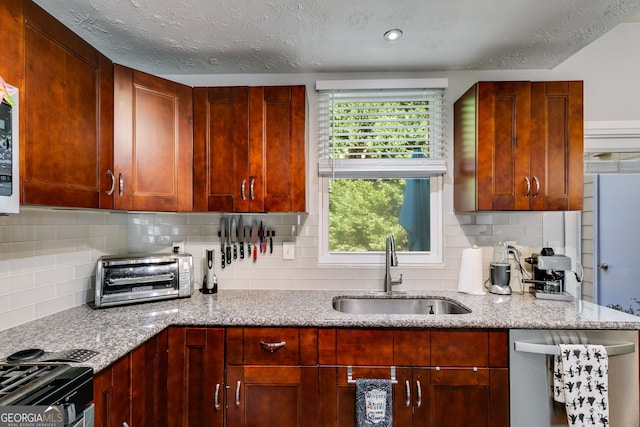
pixel 394 132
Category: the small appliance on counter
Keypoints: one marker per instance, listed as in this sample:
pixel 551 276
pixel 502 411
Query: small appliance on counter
pixel 210 282
pixel 143 278
pixel 549 275
pixel 500 270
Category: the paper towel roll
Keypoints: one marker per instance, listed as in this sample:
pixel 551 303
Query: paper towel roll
pixel 470 279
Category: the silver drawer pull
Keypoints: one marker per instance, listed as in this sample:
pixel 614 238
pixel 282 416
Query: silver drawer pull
pixel 113 183
pixel 408 388
pixel 272 347
pixel 238 394
pixel 419 389
pixel 528 191
pixel 216 398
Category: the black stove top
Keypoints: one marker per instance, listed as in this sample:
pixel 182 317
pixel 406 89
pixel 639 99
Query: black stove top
pixel 46 384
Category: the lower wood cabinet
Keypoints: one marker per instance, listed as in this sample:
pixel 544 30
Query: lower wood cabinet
pixel 132 392
pixel 196 377
pixel 111 394
pixel 149 382
pixel 446 378
pixel 304 377
pixel 268 396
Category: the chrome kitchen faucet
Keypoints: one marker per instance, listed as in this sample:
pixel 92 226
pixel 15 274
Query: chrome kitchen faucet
pixel 391 260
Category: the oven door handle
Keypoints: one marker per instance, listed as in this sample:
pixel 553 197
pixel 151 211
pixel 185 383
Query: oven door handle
pixel 613 349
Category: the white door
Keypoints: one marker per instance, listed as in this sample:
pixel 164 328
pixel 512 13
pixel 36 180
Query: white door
pixel 617 241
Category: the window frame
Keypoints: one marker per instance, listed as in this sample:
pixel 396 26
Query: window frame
pixel 432 257
pixel 436 170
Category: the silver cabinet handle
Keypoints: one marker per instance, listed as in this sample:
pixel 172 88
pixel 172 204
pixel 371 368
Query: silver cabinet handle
pixel 113 183
pixel 124 424
pixel 604 266
pixel 419 392
pixel 216 398
pixel 537 182
pixel 252 185
pixel 120 184
pixel 272 347
pixel 242 192
pixel 408 388
pixel 526 193
pixel 238 394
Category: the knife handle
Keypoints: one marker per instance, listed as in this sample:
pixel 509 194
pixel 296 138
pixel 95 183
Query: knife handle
pixel 222 256
pixel 228 254
pixel 235 251
pixel 241 250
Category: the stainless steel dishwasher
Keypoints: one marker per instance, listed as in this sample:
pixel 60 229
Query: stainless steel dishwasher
pixel 531 360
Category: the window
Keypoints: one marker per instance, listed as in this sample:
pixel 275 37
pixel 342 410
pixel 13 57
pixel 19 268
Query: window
pixel 381 159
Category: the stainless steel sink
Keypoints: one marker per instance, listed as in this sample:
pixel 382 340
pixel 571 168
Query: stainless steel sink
pixel 405 305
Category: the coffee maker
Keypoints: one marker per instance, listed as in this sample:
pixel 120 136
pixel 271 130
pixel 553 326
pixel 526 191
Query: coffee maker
pixel 500 270
pixel 549 275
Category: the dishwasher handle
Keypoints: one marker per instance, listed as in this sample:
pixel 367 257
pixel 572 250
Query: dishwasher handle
pixel 616 349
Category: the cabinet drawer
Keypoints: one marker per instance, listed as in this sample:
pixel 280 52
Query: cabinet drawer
pixel 272 346
pixel 459 348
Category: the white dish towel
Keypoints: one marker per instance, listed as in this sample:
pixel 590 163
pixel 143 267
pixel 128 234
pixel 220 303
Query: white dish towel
pixel 580 381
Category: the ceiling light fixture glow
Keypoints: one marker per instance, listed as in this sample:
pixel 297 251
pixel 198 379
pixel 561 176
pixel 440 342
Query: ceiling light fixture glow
pixel 393 35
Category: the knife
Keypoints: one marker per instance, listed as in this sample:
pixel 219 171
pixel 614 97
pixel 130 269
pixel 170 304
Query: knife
pixel 241 236
pixel 261 236
pixel 247 237
pixel 223 239
pixel 254 239
pixel 227 232
pixel 234 236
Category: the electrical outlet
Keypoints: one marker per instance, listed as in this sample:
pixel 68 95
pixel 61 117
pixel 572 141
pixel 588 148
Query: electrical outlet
pixel 288 250
pixel 514 245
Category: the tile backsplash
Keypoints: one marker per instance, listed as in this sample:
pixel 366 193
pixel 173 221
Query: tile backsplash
pixel 48 256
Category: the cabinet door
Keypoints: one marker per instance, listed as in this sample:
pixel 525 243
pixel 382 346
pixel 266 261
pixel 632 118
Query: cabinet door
pixel 557 145
pixel 264 396
pixel 221 149
pixel 153 142
pixel 277 159
pixel 60 142
pixel 337 400
pixel 249 149
pixel 149 382
pixel 111 395
pixel 503 140
pixel 196 377
pixel 464 397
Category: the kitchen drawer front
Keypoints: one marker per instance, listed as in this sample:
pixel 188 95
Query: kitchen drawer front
pixel 272 346
pixel 459 348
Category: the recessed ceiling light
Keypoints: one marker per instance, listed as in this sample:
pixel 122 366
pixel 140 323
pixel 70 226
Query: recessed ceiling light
pixel 393 35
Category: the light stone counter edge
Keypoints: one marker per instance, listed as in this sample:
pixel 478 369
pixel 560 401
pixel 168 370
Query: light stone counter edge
pixel 113 332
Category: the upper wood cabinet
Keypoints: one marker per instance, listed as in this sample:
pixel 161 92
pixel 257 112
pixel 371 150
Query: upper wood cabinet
pixel 63 124
pixel 249 149
pixel 518 146
pixel 153 143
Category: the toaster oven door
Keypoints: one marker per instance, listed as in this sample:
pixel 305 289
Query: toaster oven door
pixel 124 283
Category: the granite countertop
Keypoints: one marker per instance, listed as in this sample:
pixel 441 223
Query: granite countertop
pixel 117 330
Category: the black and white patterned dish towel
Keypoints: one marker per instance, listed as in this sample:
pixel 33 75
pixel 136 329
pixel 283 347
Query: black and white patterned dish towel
pixel 580 381
pixel 373 402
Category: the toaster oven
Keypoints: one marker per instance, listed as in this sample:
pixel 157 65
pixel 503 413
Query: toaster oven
pixel 143 278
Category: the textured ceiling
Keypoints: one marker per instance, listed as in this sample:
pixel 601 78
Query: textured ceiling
pixel 289 36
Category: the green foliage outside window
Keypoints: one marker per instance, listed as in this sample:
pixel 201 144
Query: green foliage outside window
pixel 363 212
